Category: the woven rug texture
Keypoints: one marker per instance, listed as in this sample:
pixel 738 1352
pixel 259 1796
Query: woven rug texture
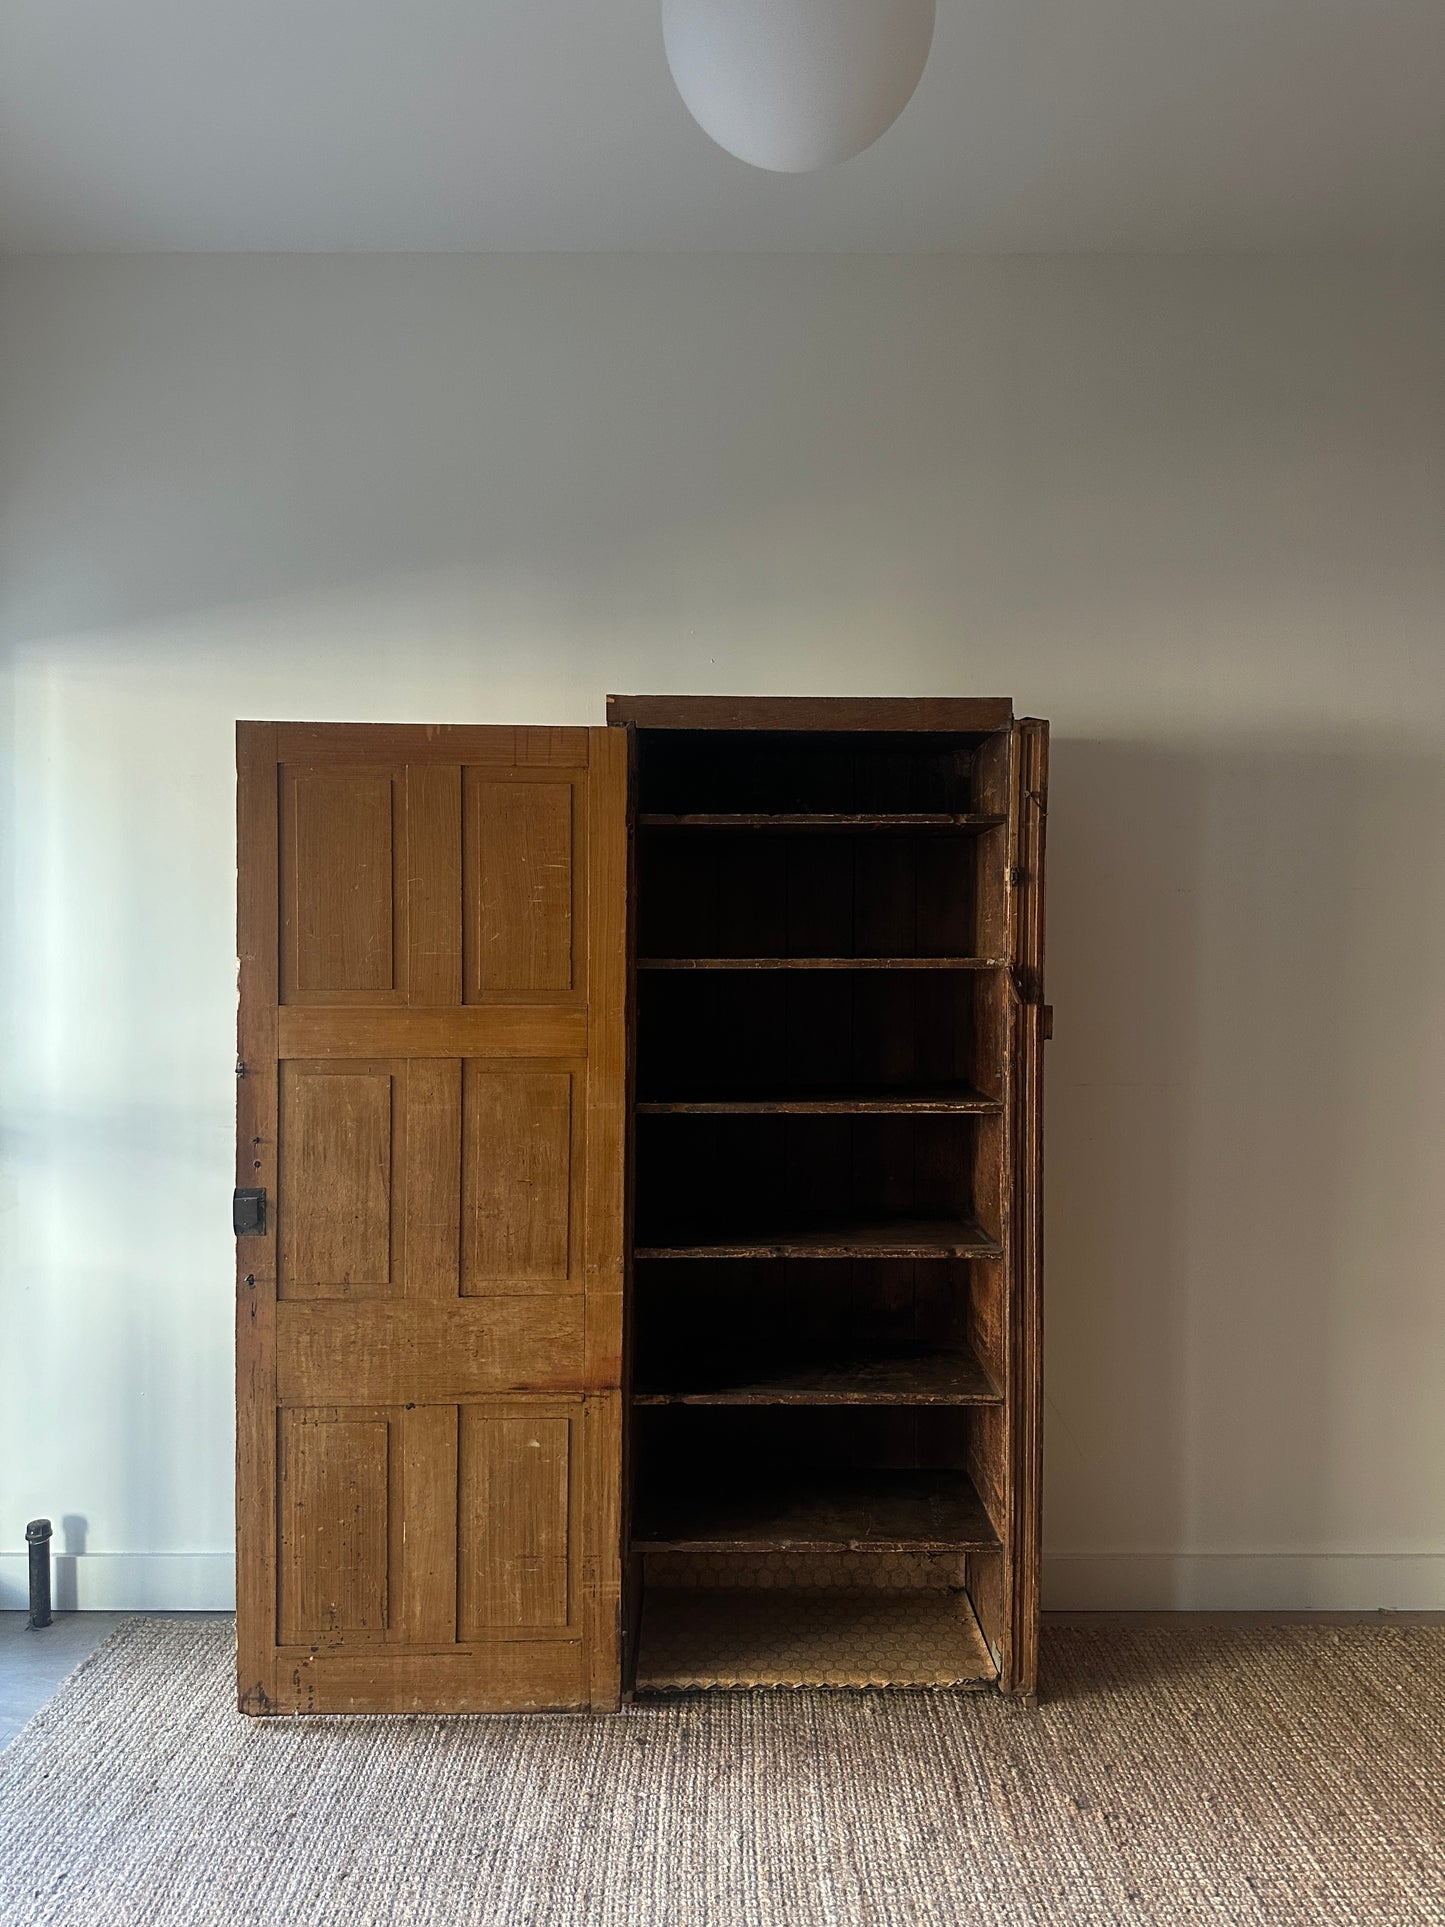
pixel 1271 1775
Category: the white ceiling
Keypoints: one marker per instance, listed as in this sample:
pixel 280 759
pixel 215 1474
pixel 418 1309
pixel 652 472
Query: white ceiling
pixel 1180 125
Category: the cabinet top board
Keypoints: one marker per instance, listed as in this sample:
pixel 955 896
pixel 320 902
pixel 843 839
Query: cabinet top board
pixel 935 714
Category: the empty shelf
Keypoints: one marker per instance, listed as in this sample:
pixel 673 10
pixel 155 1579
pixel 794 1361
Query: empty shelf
pixel 875 1238
pixel 822 820
pixel 923 1099
pixel 820 963
pixel 948 1378
pixel 704 1638
pixel 820 1511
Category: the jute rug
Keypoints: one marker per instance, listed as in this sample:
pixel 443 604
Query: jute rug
pixel 1272 1775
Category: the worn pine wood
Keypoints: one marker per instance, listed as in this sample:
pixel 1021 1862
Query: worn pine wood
pixel 335 1564
pixel 258 952
pixel 427 1508
pixel 821 963
pixel 903 1238
pixel 521 1171
pixel 841 822
pixel 604 1233
pixel 338 1152
pixel 927 1378
pixel 497 1030
pixel 431 1183
pixel 1026 1388
pixel 524 888
pixel 600 1500
pixel 399 1351
pixel 516 1506
pixel 342 831
pixel 477 745
pixel 780 1510
pixel 434 883
pixel 519 1676
pixel 853 713
pixel 902 1101
pixel 424 1472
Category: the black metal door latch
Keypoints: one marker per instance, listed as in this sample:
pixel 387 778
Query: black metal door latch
pixel 248 1213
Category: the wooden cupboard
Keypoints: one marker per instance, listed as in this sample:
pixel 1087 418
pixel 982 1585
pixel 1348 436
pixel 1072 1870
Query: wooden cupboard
pixel 638 1204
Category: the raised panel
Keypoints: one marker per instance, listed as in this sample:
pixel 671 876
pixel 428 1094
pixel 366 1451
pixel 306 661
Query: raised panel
pixel 340 897
pixel 337 1155
pixel 519 886
pixel 514 1530
pixel 516 1178
pixel 334 1525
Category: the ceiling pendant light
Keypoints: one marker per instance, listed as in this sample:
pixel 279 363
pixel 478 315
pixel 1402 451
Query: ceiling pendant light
pixel 792 85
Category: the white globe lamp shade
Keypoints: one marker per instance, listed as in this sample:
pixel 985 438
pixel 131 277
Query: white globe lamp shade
pixel 792 85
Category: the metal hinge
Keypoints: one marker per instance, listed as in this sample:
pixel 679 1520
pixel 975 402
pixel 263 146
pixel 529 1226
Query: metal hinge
pixel 248 1213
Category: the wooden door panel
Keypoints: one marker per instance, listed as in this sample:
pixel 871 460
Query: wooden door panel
pixel 341 833
pixel 442 1524
pixel 334 1525
pixel 519 1146
pixel 339 1129
pixel 520 884
pixel 433 977
pixel 515 1503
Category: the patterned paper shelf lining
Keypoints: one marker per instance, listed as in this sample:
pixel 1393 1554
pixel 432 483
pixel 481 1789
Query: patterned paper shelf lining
pixel 716 1639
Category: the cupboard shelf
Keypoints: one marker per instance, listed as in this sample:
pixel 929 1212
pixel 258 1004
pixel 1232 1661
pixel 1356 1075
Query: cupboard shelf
pixel 853 1511
pixel 930 1378
pixel 923 1099
pixel 808 821
pixel 820 963
pixel 697 1638
pixel 872 1238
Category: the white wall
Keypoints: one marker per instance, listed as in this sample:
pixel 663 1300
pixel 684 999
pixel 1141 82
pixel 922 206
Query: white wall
pixel 1194 512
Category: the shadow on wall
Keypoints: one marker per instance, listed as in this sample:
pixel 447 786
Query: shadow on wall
pixel 1240 1273
pixel 73 1529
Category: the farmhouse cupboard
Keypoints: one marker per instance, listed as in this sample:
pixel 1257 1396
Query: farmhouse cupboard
pixel 638 1210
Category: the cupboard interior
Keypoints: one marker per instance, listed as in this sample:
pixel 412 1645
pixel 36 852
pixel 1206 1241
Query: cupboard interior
pixel 818 1354
pixel 724 1180
pixel 914 1038
pixel 783 892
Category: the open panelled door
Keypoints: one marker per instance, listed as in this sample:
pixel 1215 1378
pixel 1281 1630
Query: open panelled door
pixel 430 1247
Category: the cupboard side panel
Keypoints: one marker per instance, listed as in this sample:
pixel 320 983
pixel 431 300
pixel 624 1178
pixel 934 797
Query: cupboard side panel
pixel 1026 1388
pixel 257 924
pixel 603 1207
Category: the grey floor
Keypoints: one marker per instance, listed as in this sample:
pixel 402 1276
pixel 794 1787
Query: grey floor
pixel 33 1664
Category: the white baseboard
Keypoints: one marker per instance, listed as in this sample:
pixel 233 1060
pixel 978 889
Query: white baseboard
pixel 1244 1582
pixel 137 1582
pixel 1073 1582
